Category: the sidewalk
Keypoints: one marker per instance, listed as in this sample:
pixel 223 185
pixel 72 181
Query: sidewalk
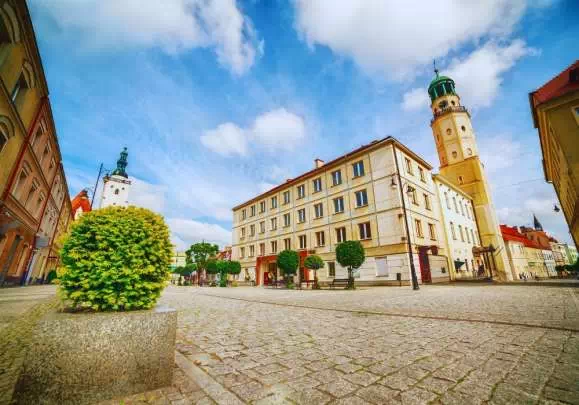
pixel 20 309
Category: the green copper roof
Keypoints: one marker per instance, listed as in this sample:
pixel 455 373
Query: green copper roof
pixel 122 165
pixel 439 79
pixel 440 86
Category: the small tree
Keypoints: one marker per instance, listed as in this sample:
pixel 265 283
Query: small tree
pixel 115 259
pixel 288 261
pixel 350 254
pixel 200 253
pixel 314 262
pixel 212 266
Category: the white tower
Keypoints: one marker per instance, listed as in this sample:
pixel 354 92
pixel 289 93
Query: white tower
pixel 117 184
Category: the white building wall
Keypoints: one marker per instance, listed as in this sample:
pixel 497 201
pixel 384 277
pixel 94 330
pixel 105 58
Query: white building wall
pixel 517 258
pixel 456 218
pixel 549 262
pixel 115 191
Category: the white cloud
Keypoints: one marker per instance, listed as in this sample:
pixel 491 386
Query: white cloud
pixel 186 232
pixel 478 75
pixel 498 152
pixel 263 187
pixel 274 130
pixel 394 37
pixel 171 25
pixel 415 99
pixel 147 195
pixel 227 139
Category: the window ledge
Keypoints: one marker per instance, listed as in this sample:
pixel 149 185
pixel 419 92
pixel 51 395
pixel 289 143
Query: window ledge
pixel 361 206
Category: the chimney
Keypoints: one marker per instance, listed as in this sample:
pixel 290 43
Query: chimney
pixel 318 163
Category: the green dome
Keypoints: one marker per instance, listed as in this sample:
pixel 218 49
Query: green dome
pixel 440 86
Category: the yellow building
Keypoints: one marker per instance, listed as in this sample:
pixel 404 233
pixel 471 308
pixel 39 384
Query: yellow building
pixel 357 196
pixel 461 165
pixel 555 108
pixel 33 192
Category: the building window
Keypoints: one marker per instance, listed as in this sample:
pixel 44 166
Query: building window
pixel 273 223
pixel 251 230
pixel 432 231
pixel 317 185
pixel 472 236
pixel 337 177
pixel 319 210
pixel 467 235
pixel 243 232
pixel 463 128
pixel 262 227
pixel 461 233
pixel 426 201
pixel 301 191
pixel 447 200
pixel 454 154
pixel 262 249
pixel 242 252
pixel 262 207
pixel 273 202
pixel 286 197
pixel 117 191
pixel 413 197
pixel 36 137
pixel 338 205
pixel 461 209
pixel 33 189
pixel 252 210
pixel 455 204
pixel 418 226
pixel 361 198
pixel 39 201
pixel 19 185
pixel 421 173
pixel 286 220
pixel 19 88
pixel 51 165
pixel 331 269
pixel 460 180
pixel 273 244
pixel 302 240
pixel 341 234
pixel 358 168
pixel 287 243
pixel 320 238
pixel 365 231
pixel 469 151
pixel 302 215
pixel 251 251
pixel 243 214
pixel 408 166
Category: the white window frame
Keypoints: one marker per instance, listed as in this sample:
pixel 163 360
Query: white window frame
pixel 338 203
pixel 358 168
pixel 361 198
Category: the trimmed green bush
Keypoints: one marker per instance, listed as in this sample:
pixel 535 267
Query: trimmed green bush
pixel 314 262
pixel 350 254
pixel 288 262
pixel 52 277
pixel 115 259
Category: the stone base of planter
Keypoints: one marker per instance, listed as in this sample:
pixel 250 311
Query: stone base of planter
pixel 85 358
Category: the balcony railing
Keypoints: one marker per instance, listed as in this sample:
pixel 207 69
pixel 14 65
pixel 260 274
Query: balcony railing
pixel 447 110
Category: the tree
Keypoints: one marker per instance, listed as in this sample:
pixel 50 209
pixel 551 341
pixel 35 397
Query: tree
pixel 115 259
pixel 350 254
pixel 200 253
pixel 288 261
pixel 314 262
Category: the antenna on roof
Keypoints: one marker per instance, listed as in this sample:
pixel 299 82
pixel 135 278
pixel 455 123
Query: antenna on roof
pixel 434 65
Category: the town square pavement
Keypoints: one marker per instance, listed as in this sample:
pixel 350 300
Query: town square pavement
pixel 451 344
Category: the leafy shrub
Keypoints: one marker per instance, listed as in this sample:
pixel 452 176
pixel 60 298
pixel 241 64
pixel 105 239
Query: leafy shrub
pixel 314 262
pixel 52 277
pixel 350 254
pixel 116 259
pixel 288 262
pixel 234 283
pixel 223 282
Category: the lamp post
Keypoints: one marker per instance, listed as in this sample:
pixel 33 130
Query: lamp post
pixel 409 191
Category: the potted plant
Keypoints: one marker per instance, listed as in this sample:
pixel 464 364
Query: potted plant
pixel 110 339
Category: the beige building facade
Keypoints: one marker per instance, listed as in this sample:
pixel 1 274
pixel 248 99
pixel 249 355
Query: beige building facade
pixel 354 197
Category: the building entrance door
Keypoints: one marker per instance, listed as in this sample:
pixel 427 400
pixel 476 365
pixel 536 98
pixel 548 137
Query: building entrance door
pixel 424 265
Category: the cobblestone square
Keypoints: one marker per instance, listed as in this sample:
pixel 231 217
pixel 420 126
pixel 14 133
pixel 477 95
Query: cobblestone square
pixel 450 344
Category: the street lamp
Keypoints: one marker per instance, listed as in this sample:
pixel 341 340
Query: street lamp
pixel 410 191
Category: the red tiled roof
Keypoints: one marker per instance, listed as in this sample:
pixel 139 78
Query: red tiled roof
pixel 81 200
pixel 557 86
pixel 512 233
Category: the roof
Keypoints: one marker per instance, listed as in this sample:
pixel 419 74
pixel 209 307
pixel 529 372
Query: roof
pixel 81 200
pixel 513 234
pixel 565 82
pixel 335 162
pixel 439 79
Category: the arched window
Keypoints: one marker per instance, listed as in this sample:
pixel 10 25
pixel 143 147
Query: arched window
pixel 116 191
pixel 9 31
pixel 6 131
pixel 21 180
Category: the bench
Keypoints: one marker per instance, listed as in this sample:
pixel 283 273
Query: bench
pixel 276 283
pixel 339 282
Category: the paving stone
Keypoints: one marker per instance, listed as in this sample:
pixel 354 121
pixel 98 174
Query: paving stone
pixel 309 397
pixel 437 385
pixel 338 388
pixel 417 396
pixel 377 394
pixel 362 378
pixel 348 367
pixel 398 381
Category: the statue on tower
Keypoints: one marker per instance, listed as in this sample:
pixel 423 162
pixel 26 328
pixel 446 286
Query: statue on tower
pixel 122 164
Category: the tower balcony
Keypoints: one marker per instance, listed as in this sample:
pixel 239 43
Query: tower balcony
pixel 447 110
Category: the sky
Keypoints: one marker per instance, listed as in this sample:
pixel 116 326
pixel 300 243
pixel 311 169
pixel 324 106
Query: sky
pixel 219 100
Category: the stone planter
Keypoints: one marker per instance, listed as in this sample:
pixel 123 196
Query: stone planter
pixel 86 358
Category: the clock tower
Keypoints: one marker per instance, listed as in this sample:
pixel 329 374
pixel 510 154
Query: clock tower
pixel 116 185
pixel 460 164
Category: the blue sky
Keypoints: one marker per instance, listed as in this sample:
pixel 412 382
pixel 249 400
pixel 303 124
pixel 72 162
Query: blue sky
pixel 218 100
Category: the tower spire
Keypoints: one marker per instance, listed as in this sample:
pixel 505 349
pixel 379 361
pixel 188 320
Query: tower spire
pixel 434 65
pixel 536 223
pixel 122 164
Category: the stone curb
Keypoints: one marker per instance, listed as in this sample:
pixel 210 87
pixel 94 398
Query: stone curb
pixel 419 316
